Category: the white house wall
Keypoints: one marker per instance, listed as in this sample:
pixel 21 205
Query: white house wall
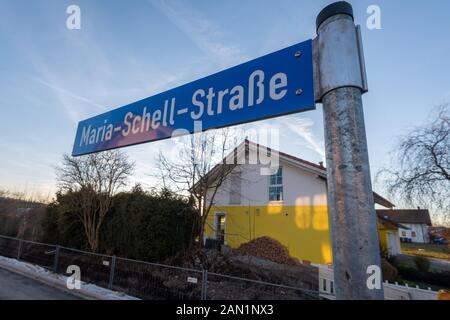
pixel 300 187
pixel 421 231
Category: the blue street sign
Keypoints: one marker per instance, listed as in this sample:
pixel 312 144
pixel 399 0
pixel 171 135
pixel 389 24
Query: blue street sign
pixel 273 85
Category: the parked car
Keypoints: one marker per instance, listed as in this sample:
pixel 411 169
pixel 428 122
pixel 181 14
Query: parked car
pixel 440 241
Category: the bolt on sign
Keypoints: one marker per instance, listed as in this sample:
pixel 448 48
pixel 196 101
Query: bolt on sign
pixel 276 84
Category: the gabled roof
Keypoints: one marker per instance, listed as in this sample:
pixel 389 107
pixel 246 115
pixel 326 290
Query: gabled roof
pixel 419 216
pixel 318 169
pixel 288 156
pixel 389 223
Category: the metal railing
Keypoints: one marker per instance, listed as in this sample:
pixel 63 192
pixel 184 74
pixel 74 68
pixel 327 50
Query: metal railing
pixel 148 280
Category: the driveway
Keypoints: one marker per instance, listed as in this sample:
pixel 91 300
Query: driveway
pixel 14 286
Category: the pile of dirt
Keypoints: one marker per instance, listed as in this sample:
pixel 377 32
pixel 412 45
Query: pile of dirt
pixel 204 259
pixel 389 272
pixel 267 248
pixel 220 265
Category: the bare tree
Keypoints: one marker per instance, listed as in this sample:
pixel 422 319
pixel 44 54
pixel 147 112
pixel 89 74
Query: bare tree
pixel 421 175
pixel 94 179
pixel 199 171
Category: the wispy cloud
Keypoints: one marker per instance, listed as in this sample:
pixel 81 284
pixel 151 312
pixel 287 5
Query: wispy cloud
pixel 73 105
pixel 206 35
pixel 302 127
pixel 290 126
pixel 70 94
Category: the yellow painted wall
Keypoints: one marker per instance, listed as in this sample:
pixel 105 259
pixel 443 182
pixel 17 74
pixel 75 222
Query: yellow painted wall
pixel 303 230
pixel 382 235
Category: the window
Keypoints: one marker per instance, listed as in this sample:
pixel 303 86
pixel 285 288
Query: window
pixel 220 227
pixel 403 233
pixel 276 186
pixel 413 234
pixel 331 287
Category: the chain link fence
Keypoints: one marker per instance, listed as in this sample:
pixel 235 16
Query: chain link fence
pixel 147 280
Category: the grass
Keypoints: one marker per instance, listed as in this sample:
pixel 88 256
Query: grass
pixel 438 251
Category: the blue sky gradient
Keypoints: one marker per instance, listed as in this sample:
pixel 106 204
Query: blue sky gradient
pixel 52 77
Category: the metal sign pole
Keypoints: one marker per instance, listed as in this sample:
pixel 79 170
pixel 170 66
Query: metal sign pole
pixel 340 81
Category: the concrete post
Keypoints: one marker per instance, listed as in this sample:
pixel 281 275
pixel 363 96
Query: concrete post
pixel 112 272
pixel 19 250
pixel 55 261
pixel 204 293
pixel 340 82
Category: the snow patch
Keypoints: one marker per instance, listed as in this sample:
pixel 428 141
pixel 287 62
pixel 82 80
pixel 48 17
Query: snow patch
pixel 45 275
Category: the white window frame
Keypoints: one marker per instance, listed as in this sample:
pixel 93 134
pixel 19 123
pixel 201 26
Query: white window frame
pixel 276 185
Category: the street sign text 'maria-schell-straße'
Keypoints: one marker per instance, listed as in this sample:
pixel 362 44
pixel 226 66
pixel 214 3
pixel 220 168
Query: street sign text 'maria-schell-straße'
pixel 273 85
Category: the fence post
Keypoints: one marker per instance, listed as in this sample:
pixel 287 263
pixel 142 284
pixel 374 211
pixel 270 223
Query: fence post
pixel 111 274
pixel 204 294
pixel 19 250
pixel 55 262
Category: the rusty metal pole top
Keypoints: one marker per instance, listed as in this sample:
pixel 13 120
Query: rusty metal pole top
pixel 341 7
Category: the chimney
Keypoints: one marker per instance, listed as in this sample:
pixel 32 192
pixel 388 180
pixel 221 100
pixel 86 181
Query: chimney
pixel 321 164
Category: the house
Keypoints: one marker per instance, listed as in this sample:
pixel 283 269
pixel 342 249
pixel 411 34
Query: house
pixel 289 205
pixel 388 232
pixel 416 223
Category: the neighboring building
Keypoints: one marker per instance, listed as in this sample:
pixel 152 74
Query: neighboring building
pixel 416 221
pixel 389 236
pixel 289 206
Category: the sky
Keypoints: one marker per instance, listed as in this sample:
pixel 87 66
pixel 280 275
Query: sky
pixel 52 77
